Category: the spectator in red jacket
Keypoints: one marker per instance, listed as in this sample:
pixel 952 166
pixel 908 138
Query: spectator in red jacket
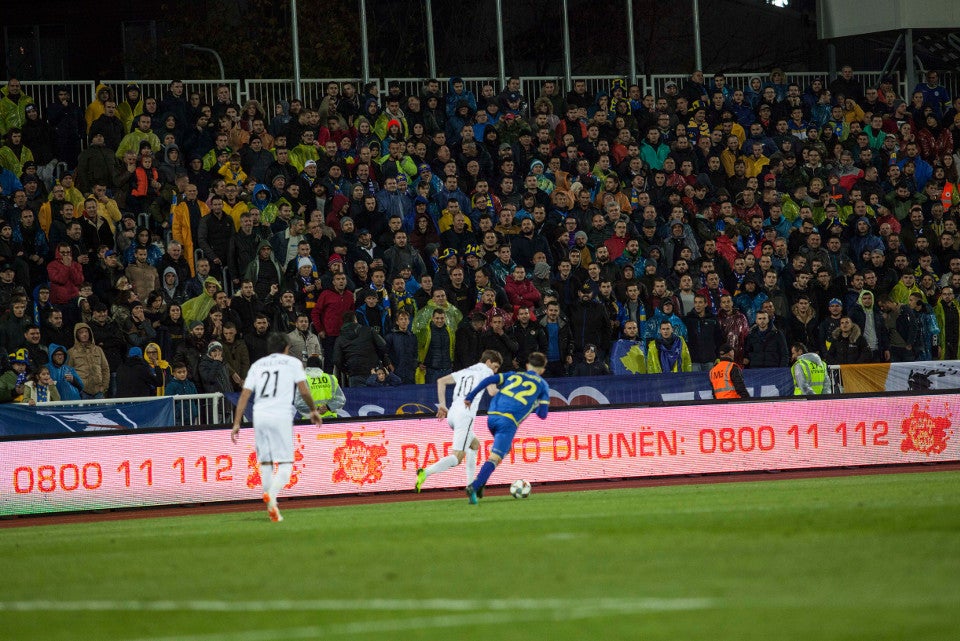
pixel 521 291
pixel 327 315
pixel 65 274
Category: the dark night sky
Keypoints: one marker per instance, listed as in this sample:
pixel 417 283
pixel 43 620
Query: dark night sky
pixel 82 38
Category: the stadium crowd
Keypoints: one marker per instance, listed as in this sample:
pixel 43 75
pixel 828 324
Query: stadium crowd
pixel 397 236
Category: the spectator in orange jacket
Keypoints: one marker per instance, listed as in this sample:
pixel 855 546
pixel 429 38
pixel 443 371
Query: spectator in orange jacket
pixel 186 222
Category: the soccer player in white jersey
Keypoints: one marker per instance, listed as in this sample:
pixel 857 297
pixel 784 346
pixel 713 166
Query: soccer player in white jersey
pixel 273 381
pixel 460 417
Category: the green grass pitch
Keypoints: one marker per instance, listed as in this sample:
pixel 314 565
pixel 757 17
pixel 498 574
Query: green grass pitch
pixel 870 557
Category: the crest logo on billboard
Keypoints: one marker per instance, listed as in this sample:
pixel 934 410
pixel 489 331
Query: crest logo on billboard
pixel 90 421
pixel 925 433
pixel 357 462
pixel 415 408
pixel 580 397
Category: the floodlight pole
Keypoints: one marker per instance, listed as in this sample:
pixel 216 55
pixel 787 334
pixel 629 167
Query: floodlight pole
pixel 567 65
pixel 698 58
pixel 911 63
pixel 501 60
pixel 364 42
pixel 295 33
pixel 631 45
pixel 431 50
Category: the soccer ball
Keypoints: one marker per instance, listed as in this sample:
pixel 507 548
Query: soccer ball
pixel 520 489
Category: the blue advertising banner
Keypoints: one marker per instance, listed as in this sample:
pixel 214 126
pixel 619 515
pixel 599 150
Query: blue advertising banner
pixel 577 391
pixel 18 420
pixel 581 392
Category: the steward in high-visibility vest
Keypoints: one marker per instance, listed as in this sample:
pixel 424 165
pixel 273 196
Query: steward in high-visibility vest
pixel 326 392
pixel 949 196
pixel 726 377
pixel 809 372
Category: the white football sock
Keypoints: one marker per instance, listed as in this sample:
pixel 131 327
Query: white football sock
pixel 443 464
pixel 266 476
pixel 281 478
pixel 470 458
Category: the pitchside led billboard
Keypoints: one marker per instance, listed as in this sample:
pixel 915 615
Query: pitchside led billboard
pixel 356 456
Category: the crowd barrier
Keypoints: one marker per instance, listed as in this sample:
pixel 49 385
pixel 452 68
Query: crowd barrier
pixel 214 409
pixel 368 455
pixel 112 414
pixel 573 391
pixel 660 388
pixel 270 91
pixel 408 400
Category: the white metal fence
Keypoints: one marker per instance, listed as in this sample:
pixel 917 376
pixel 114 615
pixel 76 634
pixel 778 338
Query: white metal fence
pixel 44 92
pixel 188 409
pixel 313 90
pixel 950 80
pixel 157 88
pixel 271 91
pixel 658 82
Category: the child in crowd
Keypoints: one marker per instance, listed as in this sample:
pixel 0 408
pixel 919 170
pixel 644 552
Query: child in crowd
pixel 380 377
pixel 40 388
pixel 181 385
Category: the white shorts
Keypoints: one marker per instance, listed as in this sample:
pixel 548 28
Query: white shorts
pixel 460 420
pixel 273 437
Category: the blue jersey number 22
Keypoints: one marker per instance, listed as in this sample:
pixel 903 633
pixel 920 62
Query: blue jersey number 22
pixel 519 389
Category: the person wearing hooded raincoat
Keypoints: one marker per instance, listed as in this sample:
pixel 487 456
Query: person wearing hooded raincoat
pixel 161 368
pixel 139 134
pixel 14 156
pixel 750 302
pixel 868 316
pixel 253 271
pixel 13 108
pixel 130 107
pixel 95 109
pixel 89 362
pixel 68 381
pixel 186 223
pixel 651 328
pixel 453 96
pixel 197 308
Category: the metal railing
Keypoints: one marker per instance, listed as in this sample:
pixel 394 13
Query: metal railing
pixel 313 90
pixel 157 88
pixel 414 86
pixel 44 92
pixel 658 82
pixel 474 84
pixel 188 409
pixel 271 91
pixel 836 378
pixel 596 85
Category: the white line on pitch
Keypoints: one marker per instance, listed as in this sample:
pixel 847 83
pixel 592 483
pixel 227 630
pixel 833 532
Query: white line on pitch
pixel 580 611
pixel 398 605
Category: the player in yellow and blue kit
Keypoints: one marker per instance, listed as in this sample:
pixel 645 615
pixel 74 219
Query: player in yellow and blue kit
pixel 518 394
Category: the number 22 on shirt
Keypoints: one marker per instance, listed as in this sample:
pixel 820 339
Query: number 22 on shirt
pixel 519 388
